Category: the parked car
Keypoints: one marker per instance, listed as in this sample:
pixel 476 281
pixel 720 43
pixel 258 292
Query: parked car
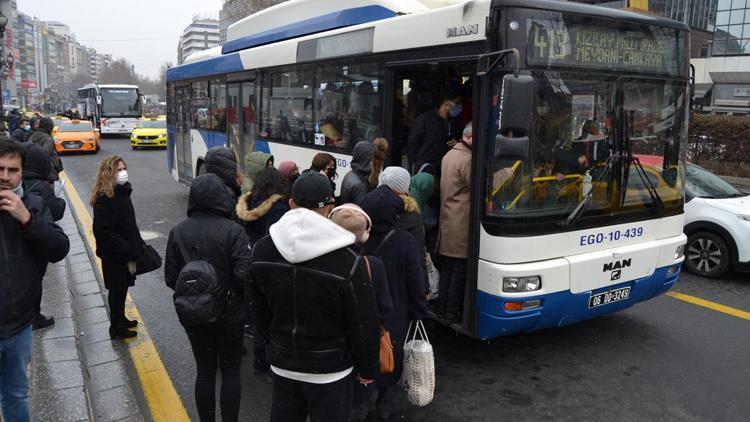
pixel 717 223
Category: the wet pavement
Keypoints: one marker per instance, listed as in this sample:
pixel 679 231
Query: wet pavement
pixel 665 359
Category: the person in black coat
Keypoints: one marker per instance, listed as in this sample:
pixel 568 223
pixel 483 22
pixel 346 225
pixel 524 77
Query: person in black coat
pixel 433 133
pixel 118 240
pixel 23 132
pixel 211 234
pixel 36 169
pixel 402 259
pixel 35 174
pixel 222 162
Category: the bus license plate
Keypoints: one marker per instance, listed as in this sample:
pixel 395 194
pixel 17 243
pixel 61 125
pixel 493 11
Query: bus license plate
pixel 609 297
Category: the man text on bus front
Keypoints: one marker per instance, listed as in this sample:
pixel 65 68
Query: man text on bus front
pixel 455 194
pixel 431 135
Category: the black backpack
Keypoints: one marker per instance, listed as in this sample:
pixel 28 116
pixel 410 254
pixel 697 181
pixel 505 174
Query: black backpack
pixel 199 296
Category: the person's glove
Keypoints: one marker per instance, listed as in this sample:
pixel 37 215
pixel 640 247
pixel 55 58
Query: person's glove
pixel 131 267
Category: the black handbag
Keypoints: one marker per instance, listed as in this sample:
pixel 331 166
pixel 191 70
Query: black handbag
pixel 148 261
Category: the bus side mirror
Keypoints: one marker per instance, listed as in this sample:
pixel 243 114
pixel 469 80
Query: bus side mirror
pixel 512 148
pixel 518 101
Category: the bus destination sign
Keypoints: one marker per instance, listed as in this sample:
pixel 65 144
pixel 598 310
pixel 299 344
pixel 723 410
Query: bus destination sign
pixel 555 43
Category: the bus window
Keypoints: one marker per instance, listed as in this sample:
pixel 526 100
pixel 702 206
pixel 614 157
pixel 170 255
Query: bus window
pixel 287 115
pixel 348 104
pixel 217 107
pixel 199 105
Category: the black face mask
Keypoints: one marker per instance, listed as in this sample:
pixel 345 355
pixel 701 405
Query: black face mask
pixel 331 172
pixel 293 178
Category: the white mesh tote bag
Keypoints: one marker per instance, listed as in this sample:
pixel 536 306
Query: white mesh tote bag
pixel 418 377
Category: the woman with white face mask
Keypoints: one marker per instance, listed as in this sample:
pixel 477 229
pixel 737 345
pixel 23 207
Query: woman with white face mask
pixel 118 240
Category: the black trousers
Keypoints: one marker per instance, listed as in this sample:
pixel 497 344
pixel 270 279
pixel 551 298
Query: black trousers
pixel 452 283
pixel 293 401
pixel 219 347
pixel 116 299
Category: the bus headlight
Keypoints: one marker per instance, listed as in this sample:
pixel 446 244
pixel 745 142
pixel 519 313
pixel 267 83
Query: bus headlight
pixel 679 252
pixel 522 284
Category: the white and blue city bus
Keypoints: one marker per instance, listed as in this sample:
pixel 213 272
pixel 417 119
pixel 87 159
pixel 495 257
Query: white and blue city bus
pixel 566 223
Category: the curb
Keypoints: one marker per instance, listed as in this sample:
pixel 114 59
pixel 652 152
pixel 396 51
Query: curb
pixel 83 325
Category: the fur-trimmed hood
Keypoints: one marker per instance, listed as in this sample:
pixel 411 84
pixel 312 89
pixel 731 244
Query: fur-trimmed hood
pixel 246 213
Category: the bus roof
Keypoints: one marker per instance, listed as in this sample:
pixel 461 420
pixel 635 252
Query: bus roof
pixel 89 86
pixel 593 10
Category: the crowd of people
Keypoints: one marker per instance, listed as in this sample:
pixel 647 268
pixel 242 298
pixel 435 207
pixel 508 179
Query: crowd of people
pixel 313 278
pixel 271 254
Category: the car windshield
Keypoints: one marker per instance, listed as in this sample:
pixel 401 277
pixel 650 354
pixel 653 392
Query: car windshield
pixel 704 184
pixel 153 124
pixel 75 127
pixel 58 122
pixel 575 148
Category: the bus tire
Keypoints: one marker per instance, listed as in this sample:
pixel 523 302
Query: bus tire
pixel 707 254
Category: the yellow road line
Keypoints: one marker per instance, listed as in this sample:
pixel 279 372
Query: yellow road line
pixel 711 305
pixel 164 402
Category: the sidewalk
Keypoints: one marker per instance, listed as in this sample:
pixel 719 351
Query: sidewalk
pixel 77 372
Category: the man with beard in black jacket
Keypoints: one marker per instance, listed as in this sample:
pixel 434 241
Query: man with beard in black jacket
pixel 210 234
pixel 35 173
pixel 313 299
pixel 28 241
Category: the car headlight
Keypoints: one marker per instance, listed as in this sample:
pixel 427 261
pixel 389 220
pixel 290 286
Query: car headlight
pixel 679 252
pixel 522 284
pixel 744 217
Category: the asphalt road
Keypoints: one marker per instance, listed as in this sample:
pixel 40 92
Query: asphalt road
pixel 665 359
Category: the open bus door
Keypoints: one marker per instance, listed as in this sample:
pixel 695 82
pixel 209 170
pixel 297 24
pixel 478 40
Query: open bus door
pixel 412 88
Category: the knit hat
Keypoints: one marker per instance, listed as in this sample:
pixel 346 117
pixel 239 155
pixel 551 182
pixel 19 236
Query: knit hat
pixel 286 168
pixel 396 178
pixel 354 219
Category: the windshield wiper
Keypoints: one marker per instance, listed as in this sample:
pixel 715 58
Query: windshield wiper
pixel 655 198
pixel 576 214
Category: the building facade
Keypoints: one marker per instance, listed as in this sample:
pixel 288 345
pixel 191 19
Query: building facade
pixel 723 78
pixel 201 34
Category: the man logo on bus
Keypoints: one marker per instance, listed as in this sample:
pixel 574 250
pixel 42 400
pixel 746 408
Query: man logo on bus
pixel 617 265
pixel 460 31
pixel 616 274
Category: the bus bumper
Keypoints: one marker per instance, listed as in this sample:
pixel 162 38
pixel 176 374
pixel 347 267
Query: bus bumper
pixel 564 308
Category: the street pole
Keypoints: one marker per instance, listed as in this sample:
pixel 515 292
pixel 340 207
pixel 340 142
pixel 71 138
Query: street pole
pixel 3 23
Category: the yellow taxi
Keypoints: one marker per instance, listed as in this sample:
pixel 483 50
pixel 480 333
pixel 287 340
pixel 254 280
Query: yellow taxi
pixel 149 132
pixel 76 136
pixel 57 121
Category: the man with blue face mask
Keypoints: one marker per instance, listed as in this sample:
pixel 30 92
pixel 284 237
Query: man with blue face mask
pixel 28 241
pixel 432 135
pixel 23 131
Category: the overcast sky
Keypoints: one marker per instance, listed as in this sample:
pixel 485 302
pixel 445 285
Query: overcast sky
pixel 143 31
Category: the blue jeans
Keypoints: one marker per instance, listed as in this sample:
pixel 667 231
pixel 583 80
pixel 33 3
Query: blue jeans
pixel 15 354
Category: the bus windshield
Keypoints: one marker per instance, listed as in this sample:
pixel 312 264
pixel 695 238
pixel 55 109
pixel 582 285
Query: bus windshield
pixel 602 98
pixel 120 102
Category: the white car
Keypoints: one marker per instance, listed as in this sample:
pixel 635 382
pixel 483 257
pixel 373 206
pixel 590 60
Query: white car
pixel 717 224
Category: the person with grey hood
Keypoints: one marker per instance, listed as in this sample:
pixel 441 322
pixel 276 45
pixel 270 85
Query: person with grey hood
pixel 367 162
pixel 313 299
pixel 42 136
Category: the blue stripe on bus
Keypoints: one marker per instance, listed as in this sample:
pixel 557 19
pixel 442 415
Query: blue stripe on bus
pixel 214 66
pixel 562 308
pixel 213 138
pixel 262 146
pixel 325 22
